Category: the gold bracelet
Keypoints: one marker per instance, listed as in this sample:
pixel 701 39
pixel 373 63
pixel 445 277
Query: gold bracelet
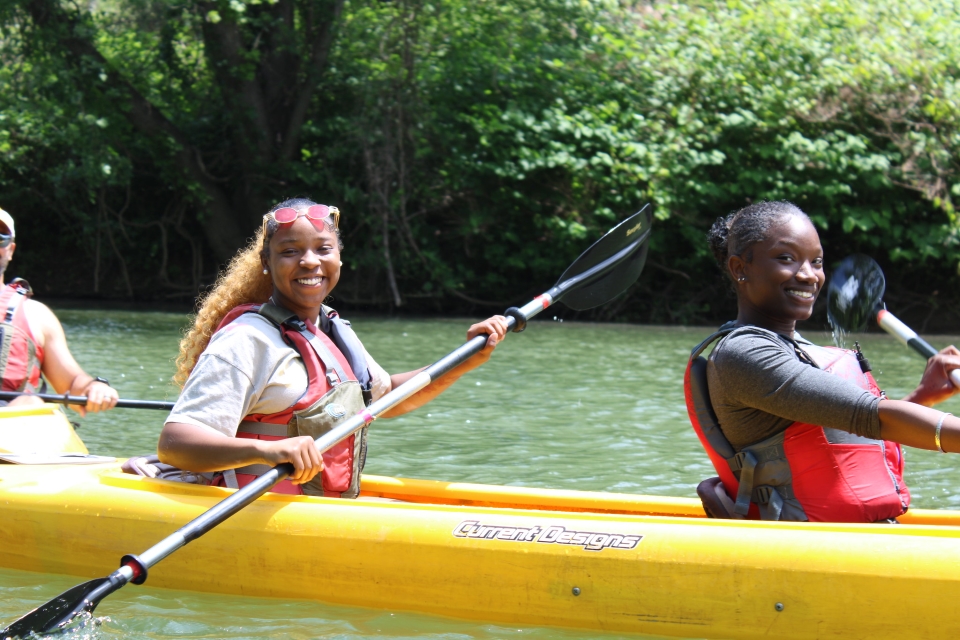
pixel 936 434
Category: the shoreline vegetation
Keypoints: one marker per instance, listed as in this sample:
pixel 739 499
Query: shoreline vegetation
pixel 475 148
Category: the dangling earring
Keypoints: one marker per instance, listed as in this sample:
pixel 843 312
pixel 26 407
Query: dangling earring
pixel 265 271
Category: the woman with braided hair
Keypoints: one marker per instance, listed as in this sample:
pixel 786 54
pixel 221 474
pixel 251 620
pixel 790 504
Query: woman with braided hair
pixel 797 431
pixel 267 367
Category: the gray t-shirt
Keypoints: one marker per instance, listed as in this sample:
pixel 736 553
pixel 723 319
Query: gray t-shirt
pixel 248 369
pixel 759 386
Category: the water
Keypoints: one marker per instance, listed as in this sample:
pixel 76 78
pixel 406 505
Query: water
pixel 578 406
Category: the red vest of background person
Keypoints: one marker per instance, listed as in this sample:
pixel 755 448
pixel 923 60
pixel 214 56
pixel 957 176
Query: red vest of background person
pixel 20 355
pixel 807 472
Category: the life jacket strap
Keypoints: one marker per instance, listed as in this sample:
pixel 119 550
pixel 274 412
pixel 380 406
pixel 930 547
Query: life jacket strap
pixel 282 317
pixel 768 501
pixel 230 478
pixel 746 462
pixel 252 469
pixel 263 428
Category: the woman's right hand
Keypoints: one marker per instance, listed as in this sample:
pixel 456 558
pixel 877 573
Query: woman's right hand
pixel 301 452
pixel 935 385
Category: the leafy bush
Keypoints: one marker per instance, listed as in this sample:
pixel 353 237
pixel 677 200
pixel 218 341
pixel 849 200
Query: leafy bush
pixel 477 147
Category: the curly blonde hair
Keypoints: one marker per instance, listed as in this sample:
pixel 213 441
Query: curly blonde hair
pixel 243 282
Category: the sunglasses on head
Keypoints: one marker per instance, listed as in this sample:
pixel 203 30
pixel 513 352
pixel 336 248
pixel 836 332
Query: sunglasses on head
pixel 5 240
pixel 317 212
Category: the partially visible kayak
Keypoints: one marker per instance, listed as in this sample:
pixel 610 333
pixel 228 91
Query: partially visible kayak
pixel 39 430
pixel 590 560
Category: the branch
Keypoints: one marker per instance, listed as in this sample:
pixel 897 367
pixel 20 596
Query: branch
pixel 224 38
pixel 222 229
pixel 322 43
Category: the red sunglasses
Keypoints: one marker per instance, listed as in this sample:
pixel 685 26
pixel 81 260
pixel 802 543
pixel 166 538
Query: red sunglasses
pixel 288 215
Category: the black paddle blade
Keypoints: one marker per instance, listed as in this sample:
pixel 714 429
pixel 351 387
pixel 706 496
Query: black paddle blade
pixel 610 282
pixel 56 613
pixel 854 293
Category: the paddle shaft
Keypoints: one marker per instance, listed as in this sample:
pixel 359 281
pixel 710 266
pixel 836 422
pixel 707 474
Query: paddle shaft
pixel 82 400
pixel 893 325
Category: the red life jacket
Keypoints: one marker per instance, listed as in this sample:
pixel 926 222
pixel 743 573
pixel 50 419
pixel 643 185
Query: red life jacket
pixel 807 472
pixel 332 394
pixel 20 355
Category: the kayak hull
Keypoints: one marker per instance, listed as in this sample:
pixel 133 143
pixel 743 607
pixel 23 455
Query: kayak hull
pixel 684 576
pixel 595 561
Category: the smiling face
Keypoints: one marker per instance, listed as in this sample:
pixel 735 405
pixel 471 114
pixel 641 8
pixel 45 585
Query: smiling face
pixel 779 283
pixel 304 265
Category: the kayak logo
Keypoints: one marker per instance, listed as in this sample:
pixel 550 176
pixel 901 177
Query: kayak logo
pixel 630 232
pixel 553 534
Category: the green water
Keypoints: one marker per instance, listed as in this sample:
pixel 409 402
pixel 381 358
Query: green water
pixel 562 405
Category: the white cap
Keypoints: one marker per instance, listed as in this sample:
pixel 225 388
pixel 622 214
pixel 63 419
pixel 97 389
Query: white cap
pixel 7 219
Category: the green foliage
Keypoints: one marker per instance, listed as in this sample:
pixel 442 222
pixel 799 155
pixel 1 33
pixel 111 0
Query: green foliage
pixel 476 147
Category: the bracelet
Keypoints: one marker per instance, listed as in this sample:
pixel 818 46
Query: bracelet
pixel 936 434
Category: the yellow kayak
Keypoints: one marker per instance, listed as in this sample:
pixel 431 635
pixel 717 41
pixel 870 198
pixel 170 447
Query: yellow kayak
pixel 601 561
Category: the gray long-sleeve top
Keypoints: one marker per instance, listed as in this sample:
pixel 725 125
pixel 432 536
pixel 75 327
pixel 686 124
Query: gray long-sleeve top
pixel 759 386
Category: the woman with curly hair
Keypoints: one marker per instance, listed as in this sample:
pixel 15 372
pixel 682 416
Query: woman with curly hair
pixel 267 367
pixel 797 431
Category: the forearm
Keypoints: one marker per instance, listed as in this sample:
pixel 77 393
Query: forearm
pixel 188 446
pixel 915 425
pixel 432 390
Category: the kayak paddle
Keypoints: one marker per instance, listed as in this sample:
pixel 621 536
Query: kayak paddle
pixel 601 272
pixel 855 294
pixel 66 399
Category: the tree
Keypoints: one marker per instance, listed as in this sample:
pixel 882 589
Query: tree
pixel 263 63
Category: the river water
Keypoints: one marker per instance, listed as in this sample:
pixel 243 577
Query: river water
pixel 562 405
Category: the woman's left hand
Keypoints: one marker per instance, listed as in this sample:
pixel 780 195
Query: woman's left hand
pixel 495 327
pixel 935 386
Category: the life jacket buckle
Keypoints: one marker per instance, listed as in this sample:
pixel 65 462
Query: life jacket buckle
pixel 332 378
pixel 769 502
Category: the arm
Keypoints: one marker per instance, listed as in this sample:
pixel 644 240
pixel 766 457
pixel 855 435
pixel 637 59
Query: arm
pixel 495 328
pixel 188 446
pixel 59 367
pixel 229 382
pixel 935 385
pixel 800 392
pixel 767 387
pixel 915 425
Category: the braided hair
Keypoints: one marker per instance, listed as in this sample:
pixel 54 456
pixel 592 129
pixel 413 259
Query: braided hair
pixel 736 233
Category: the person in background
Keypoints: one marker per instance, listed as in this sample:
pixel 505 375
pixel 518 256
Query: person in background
pixel 797 431
pixel 34 347
pixel 267 367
